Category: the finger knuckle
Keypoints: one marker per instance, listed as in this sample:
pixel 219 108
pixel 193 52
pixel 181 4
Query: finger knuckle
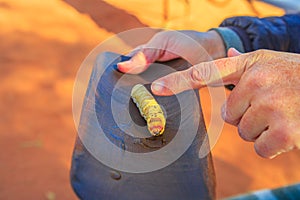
pixel 261 52
pixel 262 149
pixel 228 117
pixel 243 131
pixel 277 102
pixel 195 74
pixel 254 79
pixel 200 73
pixel 258 54
pixel 283 136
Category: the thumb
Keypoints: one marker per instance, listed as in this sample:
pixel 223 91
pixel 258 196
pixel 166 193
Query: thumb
pixel 157 49
pixel 143 58
pixel 137 64
pixel 214 73
pixel 233 52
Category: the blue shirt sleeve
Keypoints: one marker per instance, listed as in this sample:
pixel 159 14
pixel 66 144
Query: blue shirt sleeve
pixel 274 33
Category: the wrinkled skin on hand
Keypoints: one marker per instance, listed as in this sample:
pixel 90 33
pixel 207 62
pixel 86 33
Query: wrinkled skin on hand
pixel 193 46
pixel 264 105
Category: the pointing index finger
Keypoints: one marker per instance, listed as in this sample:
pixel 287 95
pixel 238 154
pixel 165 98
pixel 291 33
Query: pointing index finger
pixel 213 73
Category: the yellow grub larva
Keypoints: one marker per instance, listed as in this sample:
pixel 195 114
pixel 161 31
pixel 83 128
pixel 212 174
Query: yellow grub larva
pixel 149 109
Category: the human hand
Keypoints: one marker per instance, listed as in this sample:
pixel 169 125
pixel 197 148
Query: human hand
pixel 265 103
pixel 193 46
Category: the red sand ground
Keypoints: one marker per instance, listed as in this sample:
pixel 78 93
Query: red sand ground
pixel 42 46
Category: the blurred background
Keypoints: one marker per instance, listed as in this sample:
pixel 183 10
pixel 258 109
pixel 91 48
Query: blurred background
pixel 42 44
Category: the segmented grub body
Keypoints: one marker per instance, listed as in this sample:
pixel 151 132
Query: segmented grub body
pixel 149 109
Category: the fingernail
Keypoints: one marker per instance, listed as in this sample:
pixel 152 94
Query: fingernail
pixel 123 63
pixel 157 86
pixel 123 66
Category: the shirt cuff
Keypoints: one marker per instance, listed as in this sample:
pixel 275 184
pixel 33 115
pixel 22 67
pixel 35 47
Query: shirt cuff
pixel 230 39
